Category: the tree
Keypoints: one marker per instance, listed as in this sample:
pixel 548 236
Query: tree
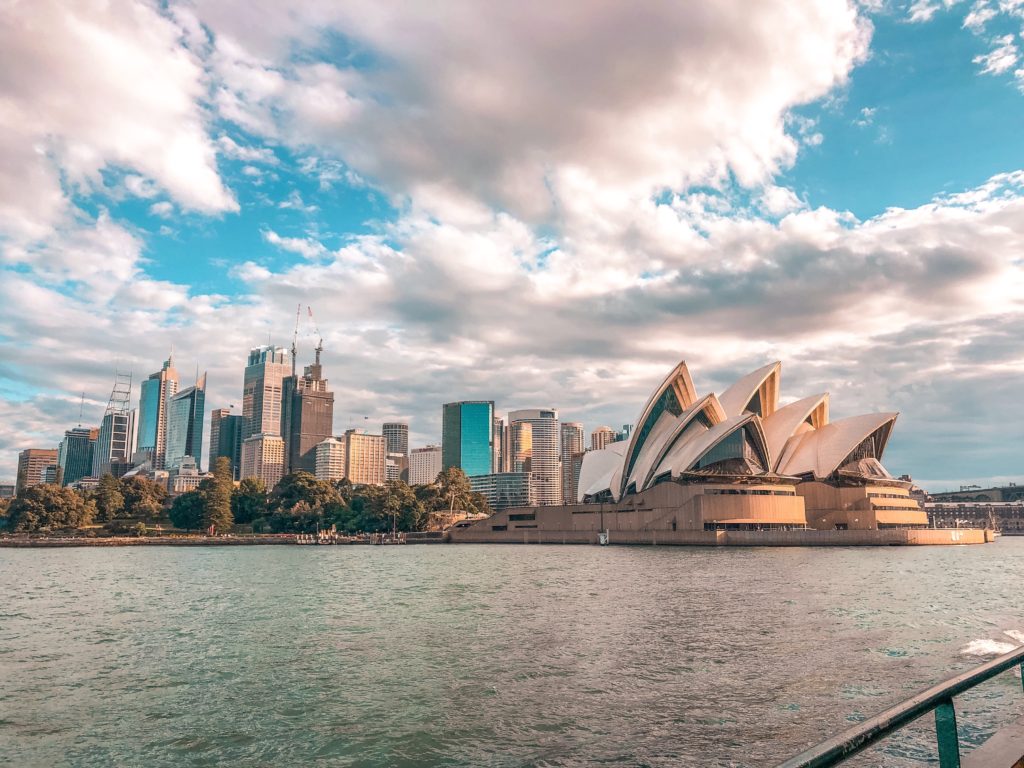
pixel 249 500
pixel 455 489
pixel 187 511
pixel 108 499
pixel 143 498
pixel 303 487
pixel 47 507
pixel 216 497
pixel 399 506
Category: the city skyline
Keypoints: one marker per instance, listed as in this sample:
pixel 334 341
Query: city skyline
pixel 849 202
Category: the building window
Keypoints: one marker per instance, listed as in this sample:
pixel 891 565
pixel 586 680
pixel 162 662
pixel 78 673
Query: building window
pixel 523 516
pixel 499 527
pixel 526 526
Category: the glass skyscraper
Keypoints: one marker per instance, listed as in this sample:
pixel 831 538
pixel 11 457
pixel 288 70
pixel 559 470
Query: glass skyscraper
pixel 74 456
pixel 467 434
pixel 156 392
pixel 185 424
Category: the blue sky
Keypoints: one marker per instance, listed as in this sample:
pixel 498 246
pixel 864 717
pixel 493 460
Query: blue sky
pixel 547 206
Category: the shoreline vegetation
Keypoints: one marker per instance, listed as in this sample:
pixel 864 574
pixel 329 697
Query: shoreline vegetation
pixel 299 509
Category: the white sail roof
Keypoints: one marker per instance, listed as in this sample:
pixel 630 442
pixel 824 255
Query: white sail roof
pixel 764 381
pixel 823 450
pixel 601 470
pixel 784 423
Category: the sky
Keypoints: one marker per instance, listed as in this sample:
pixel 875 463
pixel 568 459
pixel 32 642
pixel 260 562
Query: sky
pixel 543 204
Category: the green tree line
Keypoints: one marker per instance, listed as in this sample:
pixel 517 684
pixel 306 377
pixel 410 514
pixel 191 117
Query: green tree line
pixel 299 503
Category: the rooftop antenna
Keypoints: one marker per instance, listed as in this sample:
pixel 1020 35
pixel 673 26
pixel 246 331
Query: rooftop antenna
pixel 320 338
pixel 295 336
pixel 81 408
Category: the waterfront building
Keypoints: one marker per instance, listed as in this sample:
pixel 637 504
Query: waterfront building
pixel 1004 516
pixel 503 489
pixel 396 437
pixel 467 435
pixel 7 490
pixel 365 457
pixel 226 439
pixel 601 437
pixel 307 416
pixel 155 394
pixel 263 458
pixel 570 444
pixel 262 391
pixel 498 438
pixel 330 459
pixel 424 465
pixel 730 462
pixel 74 455
pixel 541 457
pixel 184 476
pixel 115 443
pixel 396 466
pixel 185 425
pixel 975 493
pixel 32 464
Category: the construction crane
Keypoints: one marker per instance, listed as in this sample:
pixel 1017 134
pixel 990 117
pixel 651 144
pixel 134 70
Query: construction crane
pixel 295 336
pixel 320 338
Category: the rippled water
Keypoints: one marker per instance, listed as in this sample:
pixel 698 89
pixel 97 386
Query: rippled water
pixel 488 655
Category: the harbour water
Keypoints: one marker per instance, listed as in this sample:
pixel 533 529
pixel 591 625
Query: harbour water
pixel 489 655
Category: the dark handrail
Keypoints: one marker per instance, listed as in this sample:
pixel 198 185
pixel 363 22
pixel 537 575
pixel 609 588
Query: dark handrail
pixel 938 697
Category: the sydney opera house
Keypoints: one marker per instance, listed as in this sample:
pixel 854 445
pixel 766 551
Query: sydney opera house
pixel 733 468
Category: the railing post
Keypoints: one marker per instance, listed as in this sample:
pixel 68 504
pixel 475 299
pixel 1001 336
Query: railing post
pixel 1022 673
pixel 945 734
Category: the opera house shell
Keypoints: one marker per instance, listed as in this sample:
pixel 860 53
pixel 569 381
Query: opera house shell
pixel 732 469
pixel 741 443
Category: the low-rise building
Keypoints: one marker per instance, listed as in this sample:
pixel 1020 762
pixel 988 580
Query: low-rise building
pixel 263 457
pixel 504 489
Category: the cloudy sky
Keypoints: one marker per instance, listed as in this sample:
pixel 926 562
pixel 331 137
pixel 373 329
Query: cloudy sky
pixel 537 203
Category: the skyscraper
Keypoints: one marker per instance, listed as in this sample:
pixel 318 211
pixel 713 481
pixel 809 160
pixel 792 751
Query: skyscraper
pixel 424 465
pixel 467 434
pixel 155 393
pixel 32 465
pixel 545 466
pixel 115 443
pixel 571 443
pixel 263 458
pixel 226 439
pixel 74 456
pixel 365 458
pixel 396 435
pixel 185 425
pixel 601 437
pixel 330 459
pixel 262 391
pixel 497 449
pixel 307 416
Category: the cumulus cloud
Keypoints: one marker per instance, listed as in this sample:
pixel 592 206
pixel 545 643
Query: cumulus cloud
pixel 95 85
pixel 499 103
pixel 306 247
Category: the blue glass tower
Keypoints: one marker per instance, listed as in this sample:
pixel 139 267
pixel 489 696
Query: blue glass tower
pixel 467 434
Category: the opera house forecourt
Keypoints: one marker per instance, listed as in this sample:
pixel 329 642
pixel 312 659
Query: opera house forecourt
pixel 733 469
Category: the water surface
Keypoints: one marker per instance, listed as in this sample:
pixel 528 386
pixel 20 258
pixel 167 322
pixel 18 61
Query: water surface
pixel 489 655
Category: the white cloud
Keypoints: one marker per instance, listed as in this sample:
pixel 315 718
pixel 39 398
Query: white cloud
pixel 94 85
pixel 162 209
pixel 1001 58
pixel 306 247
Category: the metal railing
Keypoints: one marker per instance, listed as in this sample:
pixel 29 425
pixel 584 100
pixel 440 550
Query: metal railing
pixel 938 698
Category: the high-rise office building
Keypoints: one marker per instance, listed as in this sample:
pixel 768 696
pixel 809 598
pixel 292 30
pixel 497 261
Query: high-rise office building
pixel 226 439
pixel 497 450
pixel 307 416
pixel 185 425
pixel 115 443
pixel 330 459
pixel 624 433
pixel 263 458
pixel 156 392
pixel 467 435
pixel 424 465
pixel 74 455
pixel 365 458
pixel 601 437
pixel 262 391
pixel 396 436
pixel 520 446
pixel 545 466
pixel 576 463
pixel 32 466
pixel 571 443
